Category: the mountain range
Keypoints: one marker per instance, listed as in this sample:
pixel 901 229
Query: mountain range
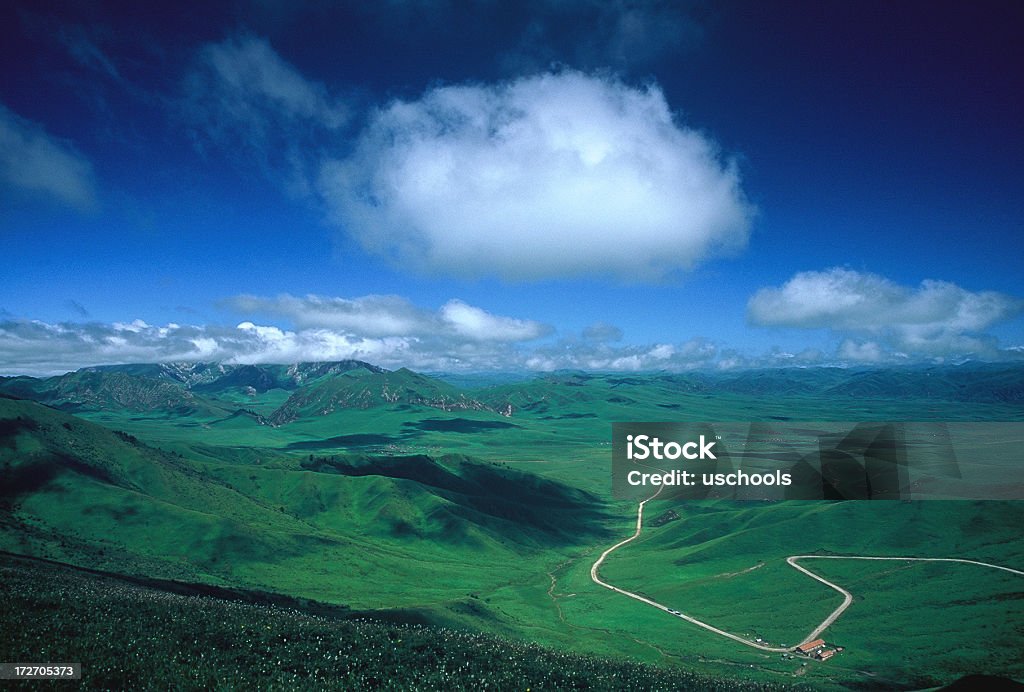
pixel 305 390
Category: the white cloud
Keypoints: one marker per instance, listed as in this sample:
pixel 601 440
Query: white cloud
pixel 935 318
pixel 861 351
pixel 373 315
pixel 602 331
pixel 34 347
pixel 662 352
pixel 479 325
pixel 35 162
pixel 600 356
pixel 265 344
pixel 379 316
pixel 554 175
pixel 39 348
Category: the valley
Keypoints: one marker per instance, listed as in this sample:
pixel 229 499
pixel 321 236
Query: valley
pixel 411 500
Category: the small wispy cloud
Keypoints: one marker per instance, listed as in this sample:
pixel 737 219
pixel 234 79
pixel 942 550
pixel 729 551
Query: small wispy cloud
pixel 621 34
pixel 36 163
pixel 83 46
pixel 242 96
pixel 476 324
pixel 602 332
pixel 555 175
pixel 77 308
pixel 936 318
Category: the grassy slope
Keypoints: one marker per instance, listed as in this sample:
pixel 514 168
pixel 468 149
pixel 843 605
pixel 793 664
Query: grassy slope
pixel 374 542
pixel 903 624
pixel 134 637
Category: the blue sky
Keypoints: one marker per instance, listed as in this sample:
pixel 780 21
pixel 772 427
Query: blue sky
pixel 511 185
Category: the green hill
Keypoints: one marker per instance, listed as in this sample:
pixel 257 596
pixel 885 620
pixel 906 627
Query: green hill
pixel 507 503
pixel 82 493
pixel 977 383
pixel 282 394
pixel 363 389
pixel 924 624
pixel 99 390
pixel 219 391
pixel 981 383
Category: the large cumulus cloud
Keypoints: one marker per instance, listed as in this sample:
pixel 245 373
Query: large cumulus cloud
pixel 561 174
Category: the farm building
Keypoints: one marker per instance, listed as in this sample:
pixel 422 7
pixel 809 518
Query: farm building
pixel 816 649
pixel 809 648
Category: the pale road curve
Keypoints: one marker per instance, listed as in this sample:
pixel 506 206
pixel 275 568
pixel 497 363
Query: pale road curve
pixel 792 561
pixel 639 527
pixel 848 597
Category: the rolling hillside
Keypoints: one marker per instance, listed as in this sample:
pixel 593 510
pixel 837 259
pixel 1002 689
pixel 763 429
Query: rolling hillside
pixel 81 493
pixel 362 389
pixel 409 499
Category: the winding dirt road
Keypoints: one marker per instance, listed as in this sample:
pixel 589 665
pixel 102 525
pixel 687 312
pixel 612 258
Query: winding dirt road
pixel 792 561
pixel 639 528
pixel 848 597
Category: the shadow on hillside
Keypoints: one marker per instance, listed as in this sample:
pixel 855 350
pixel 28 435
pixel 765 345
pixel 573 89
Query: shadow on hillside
pixel 497 499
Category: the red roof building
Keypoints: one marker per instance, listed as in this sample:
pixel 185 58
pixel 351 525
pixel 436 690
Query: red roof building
pixel 810 646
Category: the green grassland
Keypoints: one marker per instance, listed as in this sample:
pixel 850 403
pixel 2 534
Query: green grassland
pixel 414 500
pixel 906 617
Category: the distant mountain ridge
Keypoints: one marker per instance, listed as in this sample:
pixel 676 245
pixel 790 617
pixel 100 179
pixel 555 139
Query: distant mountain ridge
pixel 214 376
pixel 316 389
pixel 368 388
pixel 95 390
pixel 313 389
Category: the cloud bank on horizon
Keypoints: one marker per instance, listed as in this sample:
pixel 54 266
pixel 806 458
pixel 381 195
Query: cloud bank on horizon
pixel 879 321
pixel 39 349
